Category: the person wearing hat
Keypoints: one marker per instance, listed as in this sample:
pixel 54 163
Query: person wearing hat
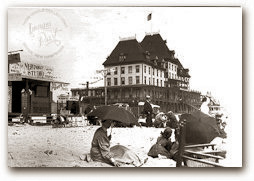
pixel 100 150
pixel 163 145
pixel 148 111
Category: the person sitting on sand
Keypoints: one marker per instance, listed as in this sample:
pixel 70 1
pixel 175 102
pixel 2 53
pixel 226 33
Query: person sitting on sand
pixel 100 150
pixel 163 145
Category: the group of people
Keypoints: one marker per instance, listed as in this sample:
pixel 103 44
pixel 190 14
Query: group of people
pixel 102 152
pixel 163 148
pixel 162 120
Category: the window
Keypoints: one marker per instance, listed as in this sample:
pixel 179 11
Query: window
pixel 137 80
pixel 130 69
pixel 161 83
pixel 115 81
pixel 122 80
pixel 145 69
pixel 149 81
pixel 147 55
pixel 122 70
pixel 157 82
pixel 108 81
pixel 115 72
pixel 157 72
pixel 41 91
pixel 145 79
pixel 130 80
pixel 122 57
pixel 149 70
pixel 137 68
pixel 153 81
pixel 153 71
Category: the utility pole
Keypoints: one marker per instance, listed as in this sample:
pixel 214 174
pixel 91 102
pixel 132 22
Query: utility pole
pixel 105 86
pixel 81 96
pixel 104 73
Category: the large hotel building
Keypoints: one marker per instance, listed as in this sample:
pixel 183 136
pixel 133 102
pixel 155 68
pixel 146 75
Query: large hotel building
pixel 144 68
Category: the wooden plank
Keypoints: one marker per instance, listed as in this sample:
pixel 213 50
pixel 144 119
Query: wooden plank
pixel 200 145
pixel 202 161
pixel 214 152
pixel 203 154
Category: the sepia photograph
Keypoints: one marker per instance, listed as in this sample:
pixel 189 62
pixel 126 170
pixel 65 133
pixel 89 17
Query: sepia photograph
pixel 127 86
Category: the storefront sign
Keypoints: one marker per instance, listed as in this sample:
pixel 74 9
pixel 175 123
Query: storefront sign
pixel 14 77
pixel 59 86
pixel 29 70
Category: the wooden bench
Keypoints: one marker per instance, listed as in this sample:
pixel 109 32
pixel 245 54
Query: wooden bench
pixel 201 158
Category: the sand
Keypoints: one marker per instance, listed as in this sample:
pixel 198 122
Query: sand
pixel 44 146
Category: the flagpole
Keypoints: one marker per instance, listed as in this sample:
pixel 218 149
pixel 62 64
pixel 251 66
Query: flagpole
pixel 151 23
pixel 149 18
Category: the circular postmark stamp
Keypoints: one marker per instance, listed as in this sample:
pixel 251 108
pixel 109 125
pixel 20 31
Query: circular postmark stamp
pixel 45 32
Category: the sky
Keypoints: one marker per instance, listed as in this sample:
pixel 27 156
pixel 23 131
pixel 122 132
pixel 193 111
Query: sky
pixel 207 40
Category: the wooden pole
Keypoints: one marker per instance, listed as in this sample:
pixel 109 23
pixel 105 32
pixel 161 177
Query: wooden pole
pixel 181 139
pixel 105 82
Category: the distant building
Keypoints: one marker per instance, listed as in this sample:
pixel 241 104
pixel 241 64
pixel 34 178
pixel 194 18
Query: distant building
pixel 145 68
pixel 32 88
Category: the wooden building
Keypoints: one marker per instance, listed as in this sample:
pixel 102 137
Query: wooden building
pixel 30 88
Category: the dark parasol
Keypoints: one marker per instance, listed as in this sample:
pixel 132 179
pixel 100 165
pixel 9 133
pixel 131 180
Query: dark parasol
pixel 200 128
pixel 114 113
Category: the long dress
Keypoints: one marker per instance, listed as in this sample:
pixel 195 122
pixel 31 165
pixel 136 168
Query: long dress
pixel 100 150
pixel 204 107
pixel 148 110
pixel 161 147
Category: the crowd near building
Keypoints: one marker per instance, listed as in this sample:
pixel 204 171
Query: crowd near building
pixel 137 69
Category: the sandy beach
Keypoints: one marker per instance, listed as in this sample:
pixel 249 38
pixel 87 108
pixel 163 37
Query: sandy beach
pixel 44 146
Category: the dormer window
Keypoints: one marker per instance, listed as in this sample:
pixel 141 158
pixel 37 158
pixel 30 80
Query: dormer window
pixel 122 57
pixel 147 54
pixel 155 62
pixel 173 54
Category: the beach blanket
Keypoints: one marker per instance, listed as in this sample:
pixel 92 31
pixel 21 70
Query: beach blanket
pixel 126 156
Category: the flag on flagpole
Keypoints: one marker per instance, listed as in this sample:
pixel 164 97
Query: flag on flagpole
pixel 149 17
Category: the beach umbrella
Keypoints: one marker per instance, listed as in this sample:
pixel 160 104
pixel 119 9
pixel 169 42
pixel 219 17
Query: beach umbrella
pixel 200 128
pixel 114 113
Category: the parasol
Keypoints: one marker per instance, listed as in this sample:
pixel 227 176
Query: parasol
pixel 114 113
pixel 200 128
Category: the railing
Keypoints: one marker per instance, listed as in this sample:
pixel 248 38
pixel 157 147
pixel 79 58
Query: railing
pixel 190 158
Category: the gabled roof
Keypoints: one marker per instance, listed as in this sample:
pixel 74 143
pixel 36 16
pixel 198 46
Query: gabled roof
pixel 152 49
pixel 156 46
pixel 131 49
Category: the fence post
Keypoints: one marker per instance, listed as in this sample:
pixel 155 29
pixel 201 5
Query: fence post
pixel 181 139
